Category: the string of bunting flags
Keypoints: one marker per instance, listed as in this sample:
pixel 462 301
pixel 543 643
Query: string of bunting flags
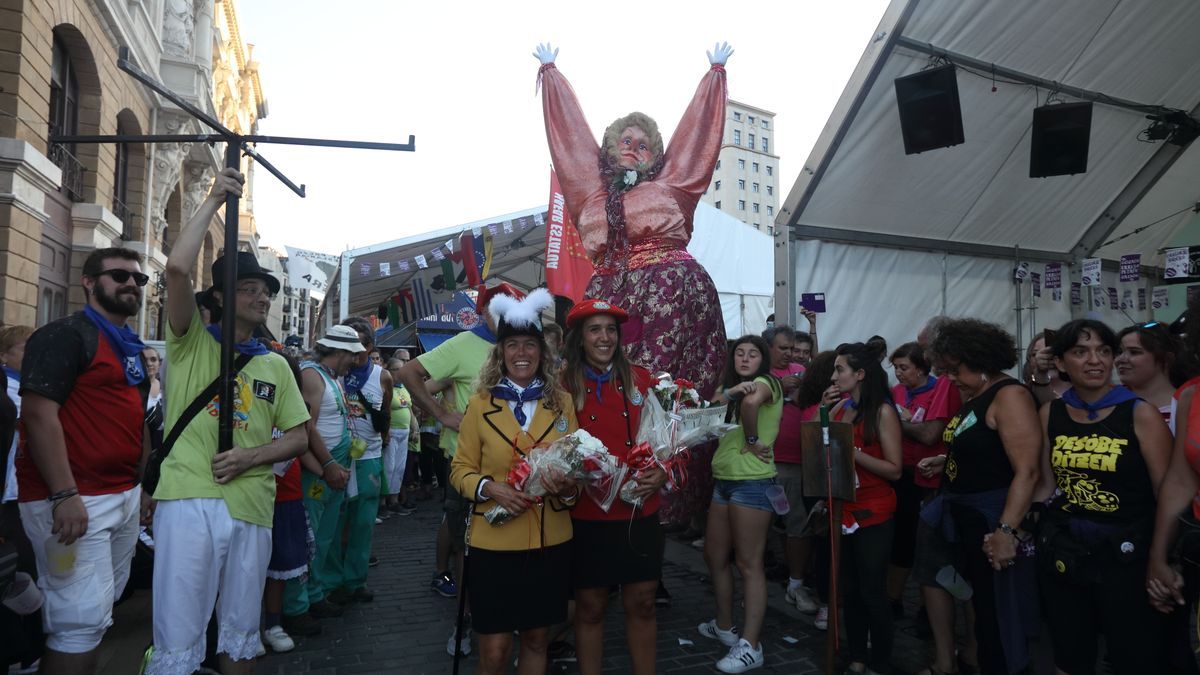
pixel 463 262
pixel 1180 264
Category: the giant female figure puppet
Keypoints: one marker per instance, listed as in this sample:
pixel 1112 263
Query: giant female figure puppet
pixel 633 205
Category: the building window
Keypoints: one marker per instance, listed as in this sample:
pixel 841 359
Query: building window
pixel 741 165
pixel 737 117
pixel 754 167
pixel 766 124
pixel 770 210
pixel 741 205
pixel 756 207
pixel 770 189
pixel 750 119
pixel 64 119
pixel 741 184
pixel 764 140
pixel 718 165
pixel 751 143
pixel 120 198
pixel 716 185
pixel 770 170
pixel 737 136
pixel 754 187
pixel 717 204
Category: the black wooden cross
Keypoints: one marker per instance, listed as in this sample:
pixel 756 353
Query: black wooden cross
pixel 236 144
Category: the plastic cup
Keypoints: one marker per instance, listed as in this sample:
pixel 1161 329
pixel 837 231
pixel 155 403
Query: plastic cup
pixel 949 579
pixel 778 499
pixel 60 557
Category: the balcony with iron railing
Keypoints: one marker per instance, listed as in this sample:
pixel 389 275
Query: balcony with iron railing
pixel 72 168
pixel 123 213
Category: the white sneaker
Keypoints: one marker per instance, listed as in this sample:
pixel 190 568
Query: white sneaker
pixel 822 620
pixel 278 639
pixel 464 644
pixel 709 629
pixel 378 520
pixel 262 651
pixel 799 597
pixel 741 657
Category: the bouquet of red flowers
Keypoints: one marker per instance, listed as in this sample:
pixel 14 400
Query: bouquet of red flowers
pixel 579 455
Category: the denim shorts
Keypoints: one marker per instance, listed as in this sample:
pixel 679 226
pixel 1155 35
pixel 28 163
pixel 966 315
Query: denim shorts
pixel 751 494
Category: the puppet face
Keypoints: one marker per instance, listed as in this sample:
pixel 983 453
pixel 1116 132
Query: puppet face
pixel 634 148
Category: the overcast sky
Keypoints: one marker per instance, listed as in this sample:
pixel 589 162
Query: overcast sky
pixel 460 77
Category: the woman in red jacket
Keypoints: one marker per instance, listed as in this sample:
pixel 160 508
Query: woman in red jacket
pixel 624 545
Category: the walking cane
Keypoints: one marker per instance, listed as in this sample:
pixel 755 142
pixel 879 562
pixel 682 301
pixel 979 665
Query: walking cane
pixel 462 596
pixel 835 542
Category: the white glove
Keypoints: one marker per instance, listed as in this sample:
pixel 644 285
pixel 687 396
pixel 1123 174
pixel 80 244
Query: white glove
pixel 543 54
pixel 719 55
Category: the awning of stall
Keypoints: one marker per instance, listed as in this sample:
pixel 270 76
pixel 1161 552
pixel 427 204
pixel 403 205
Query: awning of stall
pixel 858 187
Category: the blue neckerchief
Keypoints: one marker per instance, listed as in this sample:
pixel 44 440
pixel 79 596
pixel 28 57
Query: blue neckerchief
pixel 13 373
pixel 599 378
pixel 507 391
pixel 357 377
pixel 910 394
pixel 484 332
pixel 126 343
pixel 1116 396
pixel 851 403
pixel 251 346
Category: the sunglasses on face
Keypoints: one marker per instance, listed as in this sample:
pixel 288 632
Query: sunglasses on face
pixel 121 276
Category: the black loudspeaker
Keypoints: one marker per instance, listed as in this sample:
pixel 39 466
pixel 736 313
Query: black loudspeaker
pixel 1059 144
pixel 930 116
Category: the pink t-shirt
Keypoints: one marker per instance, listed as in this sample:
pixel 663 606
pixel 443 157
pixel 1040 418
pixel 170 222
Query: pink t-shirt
pixel 787 443
pixel 939 403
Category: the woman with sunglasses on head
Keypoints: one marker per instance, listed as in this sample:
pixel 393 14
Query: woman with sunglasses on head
pixel 867 523
pixel 990 472
pixel 1152 363
pixel 1106 451
pixel 622 546
pixel 741 512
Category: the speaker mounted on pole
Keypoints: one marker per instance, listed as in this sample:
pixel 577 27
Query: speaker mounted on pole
pixel 1060 139
pixel 930 115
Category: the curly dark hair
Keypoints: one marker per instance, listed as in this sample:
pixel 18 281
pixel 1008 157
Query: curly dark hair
pixel 979 345
pixel 816 379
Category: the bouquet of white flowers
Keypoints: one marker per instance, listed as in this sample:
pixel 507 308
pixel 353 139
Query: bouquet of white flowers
pixel 673 419
pixel 579 455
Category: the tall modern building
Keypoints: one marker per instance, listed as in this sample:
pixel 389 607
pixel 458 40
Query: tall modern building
pixel 745 183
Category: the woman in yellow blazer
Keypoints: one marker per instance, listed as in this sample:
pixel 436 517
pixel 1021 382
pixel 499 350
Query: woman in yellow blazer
pixel 519 572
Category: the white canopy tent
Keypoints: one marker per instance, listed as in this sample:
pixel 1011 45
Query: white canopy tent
pixel 894 239
pixel 731 251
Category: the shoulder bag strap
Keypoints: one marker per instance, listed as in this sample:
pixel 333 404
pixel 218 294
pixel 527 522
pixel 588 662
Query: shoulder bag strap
pixel 198 404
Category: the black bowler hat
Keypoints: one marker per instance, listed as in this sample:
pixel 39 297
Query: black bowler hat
pixel 247 268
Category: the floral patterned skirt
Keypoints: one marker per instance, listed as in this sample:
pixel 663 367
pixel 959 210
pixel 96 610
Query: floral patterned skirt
pixel 675 325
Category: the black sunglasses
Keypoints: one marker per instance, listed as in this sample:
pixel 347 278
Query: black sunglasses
pixel 121 276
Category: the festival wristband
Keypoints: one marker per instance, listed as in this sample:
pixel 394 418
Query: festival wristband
pixel 326 464
pixel 63 495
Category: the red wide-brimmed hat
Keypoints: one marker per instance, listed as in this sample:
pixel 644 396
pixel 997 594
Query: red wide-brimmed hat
pixel 582 310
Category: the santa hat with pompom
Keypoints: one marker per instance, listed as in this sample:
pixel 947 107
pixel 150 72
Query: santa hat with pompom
pixel 520 316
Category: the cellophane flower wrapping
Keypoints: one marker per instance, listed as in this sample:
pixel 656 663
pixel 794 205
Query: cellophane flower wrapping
pixel 674 418
pixel 579 455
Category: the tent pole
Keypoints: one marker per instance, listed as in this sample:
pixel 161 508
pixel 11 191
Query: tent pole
pixel 1017 289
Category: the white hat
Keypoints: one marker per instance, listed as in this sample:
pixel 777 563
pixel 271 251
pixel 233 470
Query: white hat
pixel 344 338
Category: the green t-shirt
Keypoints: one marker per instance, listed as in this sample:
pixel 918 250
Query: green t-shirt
pixel 401 409
pixel 265 397
pixel 729 462
pixel 459 360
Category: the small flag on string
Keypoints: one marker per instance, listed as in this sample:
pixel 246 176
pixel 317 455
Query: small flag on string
pixel 421 263
pixel 364 269
pixel 539 218
pixel 508 227
pixel 494 229
pixel 450 245
pixel 385 269
pixel 438 255
pixel 1091 271
pixel 403 265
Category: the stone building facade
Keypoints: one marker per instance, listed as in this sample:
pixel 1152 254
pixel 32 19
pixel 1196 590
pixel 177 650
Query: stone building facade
pixel 58 202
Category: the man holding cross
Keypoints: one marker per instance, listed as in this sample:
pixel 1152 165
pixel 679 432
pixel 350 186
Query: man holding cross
pixel 213 523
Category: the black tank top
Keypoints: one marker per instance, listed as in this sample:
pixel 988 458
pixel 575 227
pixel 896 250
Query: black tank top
pixel 1099 466
pixel 975 457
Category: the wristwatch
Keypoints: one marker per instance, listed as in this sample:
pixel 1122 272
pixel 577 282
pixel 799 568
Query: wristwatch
pixel 752 440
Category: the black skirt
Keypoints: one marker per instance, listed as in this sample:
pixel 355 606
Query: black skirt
pixel 613 552
pixel 518 590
